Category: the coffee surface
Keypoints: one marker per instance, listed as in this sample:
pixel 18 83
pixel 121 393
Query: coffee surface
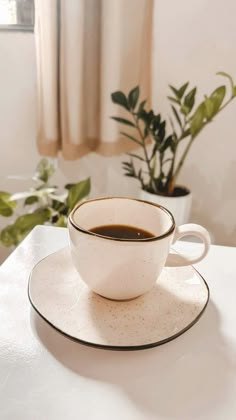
pixel 122 232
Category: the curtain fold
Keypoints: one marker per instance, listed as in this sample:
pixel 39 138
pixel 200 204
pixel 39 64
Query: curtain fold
pixel 85 50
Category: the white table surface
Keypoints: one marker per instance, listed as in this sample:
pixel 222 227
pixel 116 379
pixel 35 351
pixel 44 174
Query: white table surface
pixel 45 376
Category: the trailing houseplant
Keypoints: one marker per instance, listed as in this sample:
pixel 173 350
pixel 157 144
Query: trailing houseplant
pixel 42 204
pixel 160 163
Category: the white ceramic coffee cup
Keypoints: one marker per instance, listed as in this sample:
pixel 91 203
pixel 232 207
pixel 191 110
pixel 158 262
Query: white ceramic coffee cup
pixel 123 268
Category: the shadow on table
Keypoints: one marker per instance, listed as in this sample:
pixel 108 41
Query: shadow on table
pixel 178 380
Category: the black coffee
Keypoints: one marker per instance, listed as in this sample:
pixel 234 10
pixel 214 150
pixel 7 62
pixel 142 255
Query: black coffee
pixel 122 232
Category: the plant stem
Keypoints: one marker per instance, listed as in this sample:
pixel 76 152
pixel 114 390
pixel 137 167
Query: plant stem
pixel 174 172
pixel 182 159
pixel 150 171
pixel 170 183
pixel 170 177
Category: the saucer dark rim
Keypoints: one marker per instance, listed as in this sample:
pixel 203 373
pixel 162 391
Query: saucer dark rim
pixel 155 238
pixel 124 348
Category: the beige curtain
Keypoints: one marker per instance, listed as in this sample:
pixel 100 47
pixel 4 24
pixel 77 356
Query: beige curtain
pixel 87 49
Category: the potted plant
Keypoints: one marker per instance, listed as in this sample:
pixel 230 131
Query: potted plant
pixel 160 162
pixel 42 204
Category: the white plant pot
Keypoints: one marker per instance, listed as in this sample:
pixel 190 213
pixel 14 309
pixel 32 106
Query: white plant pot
pixel 180 207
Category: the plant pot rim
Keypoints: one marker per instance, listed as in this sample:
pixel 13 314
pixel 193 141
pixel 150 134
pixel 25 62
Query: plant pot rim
pixel 187 194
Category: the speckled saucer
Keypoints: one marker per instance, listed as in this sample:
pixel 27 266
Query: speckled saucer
pixel 174 304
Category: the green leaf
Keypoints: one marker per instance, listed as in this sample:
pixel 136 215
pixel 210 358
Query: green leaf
pixel 77 193
pixel 217 98
pixel 162 130
pixel 5 195
pixel 59 206
pixel 175 91
pixel 141 106
pixel 69 186
pixel 8 236
pixel 176 116
pixel 172 126
pixel 56 205
pixel 130 175
pixel 190 99
pixel 209 108
pixel 6 204
pixel 156 122
pixel 26 222
pixel 8 199
pixel 213 103
pixel 167 143
pixel 123 121
pixel 31 200
pixel 129 168
pixel 5 209
pixel 184 110
pixel 126 165
pixel 119 98
pixel 133 97
pixel 176 101
pixel 182 90
pixel 132 138
pixel 222 73
pixel 44 170
pixel 14 233
pixel 197 120
pixel 179 92
pixel 146 117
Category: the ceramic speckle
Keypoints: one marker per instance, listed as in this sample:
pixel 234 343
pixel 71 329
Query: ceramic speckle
pixel 170 308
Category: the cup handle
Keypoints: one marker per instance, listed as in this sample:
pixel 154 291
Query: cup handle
pixel 177 260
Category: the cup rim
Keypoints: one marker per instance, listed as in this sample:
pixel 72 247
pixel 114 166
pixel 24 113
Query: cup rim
pixel 154 238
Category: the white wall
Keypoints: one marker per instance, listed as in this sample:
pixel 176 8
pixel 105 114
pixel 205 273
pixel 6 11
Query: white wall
pixel 17 103
pixel 193 40
pixel 17 111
